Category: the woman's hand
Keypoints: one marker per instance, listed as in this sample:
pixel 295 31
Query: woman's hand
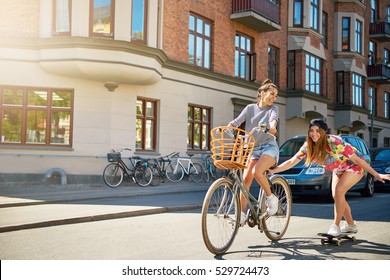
pixel 382 177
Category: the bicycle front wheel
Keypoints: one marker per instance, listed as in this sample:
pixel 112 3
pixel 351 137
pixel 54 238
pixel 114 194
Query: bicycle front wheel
pixel 220 216
pixel 113 175
pixel 196 173
pixel 276 226
pixel 143 175
pixel 174 172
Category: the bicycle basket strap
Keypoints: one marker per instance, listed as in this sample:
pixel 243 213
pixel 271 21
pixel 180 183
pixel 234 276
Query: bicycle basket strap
pixel 231 147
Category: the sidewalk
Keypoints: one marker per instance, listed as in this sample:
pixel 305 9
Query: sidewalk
pixel 24 206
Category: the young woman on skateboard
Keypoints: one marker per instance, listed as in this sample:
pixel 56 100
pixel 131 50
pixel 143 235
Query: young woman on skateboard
pixel 347 164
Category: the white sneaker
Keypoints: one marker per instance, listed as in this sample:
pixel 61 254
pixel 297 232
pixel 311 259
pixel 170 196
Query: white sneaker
pixel 242 219
pixel 272 203
pixel 346 228
pixel 334 230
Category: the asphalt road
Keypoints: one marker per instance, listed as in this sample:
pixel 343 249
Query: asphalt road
pixel 171 235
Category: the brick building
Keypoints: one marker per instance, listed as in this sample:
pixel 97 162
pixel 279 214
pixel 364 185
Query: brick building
pixel 79 78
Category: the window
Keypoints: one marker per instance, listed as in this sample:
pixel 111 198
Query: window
pixel 138 20
pixel 386 109
pixel 345 33
pixel 298 13
pixel 388 14
pixel 357 90
pixel 62 17
pixel 371 53
pixel 291 70
pixel 102 18
pixel 273 64
pixel 374 11
pixel 36 116
pixel 313 70
pixel 340 87
pixel 198 128
pixel 244 58
pixel 371 100
pixel 358 37
pixel 324 29
pixel 386 57
pixel 314 15
pixel 199 46
pixel 146 125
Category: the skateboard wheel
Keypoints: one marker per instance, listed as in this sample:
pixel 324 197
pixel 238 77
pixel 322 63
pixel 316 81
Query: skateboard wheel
pixel 353 238
pixel 322 241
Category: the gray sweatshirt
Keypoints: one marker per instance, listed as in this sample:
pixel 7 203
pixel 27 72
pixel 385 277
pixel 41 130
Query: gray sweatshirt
pixel 252 115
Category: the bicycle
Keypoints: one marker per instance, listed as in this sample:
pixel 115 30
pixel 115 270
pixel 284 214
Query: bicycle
pixel 115 171
pixel 159 167
pixel 210 170
pixel 221 210
pixel 177 169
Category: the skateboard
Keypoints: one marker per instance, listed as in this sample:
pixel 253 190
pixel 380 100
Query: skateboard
pixel 330 239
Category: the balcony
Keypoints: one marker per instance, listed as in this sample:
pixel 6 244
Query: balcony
pixel 261 15
pixel 380 31
pixel 379 73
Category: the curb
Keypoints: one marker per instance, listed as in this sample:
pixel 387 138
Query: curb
pixel 101 217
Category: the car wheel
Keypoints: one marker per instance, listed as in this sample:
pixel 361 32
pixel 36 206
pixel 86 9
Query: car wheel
pixel 369 188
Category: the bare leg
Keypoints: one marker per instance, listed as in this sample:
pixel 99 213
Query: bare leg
pixel 340 185
pixel 248 178
pixel 263 164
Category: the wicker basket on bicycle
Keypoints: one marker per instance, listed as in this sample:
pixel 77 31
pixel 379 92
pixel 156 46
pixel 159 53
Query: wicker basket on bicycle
pixel 231 147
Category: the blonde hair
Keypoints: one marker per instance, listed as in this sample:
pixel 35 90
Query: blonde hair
pixel 266 85
pixel 316 152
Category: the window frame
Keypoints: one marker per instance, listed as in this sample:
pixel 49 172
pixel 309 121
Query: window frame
pixel 386 108
pixel 54 21
pixel 340 87
pixel 273 62
pixel 205 58
pixel 314 15
pixel 204 144
pixel 144 118
pixel 357 90
pixel 299 10
pixel 291 69
pixel 359 36
pixel 145 23
pixel 346 34
pixel 49 109
pixel 244 58
pixel 313 74
pixel 91 21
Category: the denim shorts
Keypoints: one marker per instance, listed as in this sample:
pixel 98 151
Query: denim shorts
pixel 270 149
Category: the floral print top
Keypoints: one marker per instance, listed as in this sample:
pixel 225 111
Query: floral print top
pixel 337 159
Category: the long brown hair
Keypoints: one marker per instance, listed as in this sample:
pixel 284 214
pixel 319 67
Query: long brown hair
pixel 316 152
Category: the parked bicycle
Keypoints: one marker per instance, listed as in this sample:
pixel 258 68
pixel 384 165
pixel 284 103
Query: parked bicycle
pixel 116 170
pixel 177 168
pixel 221 210
pixel 159 167
pixel 209 169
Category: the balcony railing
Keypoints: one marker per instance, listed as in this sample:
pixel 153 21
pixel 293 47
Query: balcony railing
pixel 379 73
pixel 257 13
pixel 380 31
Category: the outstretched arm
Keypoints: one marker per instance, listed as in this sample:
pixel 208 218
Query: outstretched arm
pixel 285 165
pixel 363 164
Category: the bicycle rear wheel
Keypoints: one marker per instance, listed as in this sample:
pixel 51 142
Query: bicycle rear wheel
pixel 220 216
pixel 174 172
pixel 143 175
pixel 113 175
pixel 196 173
pixel 276 226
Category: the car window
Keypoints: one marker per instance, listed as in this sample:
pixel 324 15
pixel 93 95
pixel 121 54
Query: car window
pixel 290 147
pixel 354 142
pixel 383 155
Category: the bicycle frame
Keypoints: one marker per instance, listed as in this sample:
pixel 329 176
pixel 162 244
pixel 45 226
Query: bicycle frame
pixel 238 188
pixel 189 163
